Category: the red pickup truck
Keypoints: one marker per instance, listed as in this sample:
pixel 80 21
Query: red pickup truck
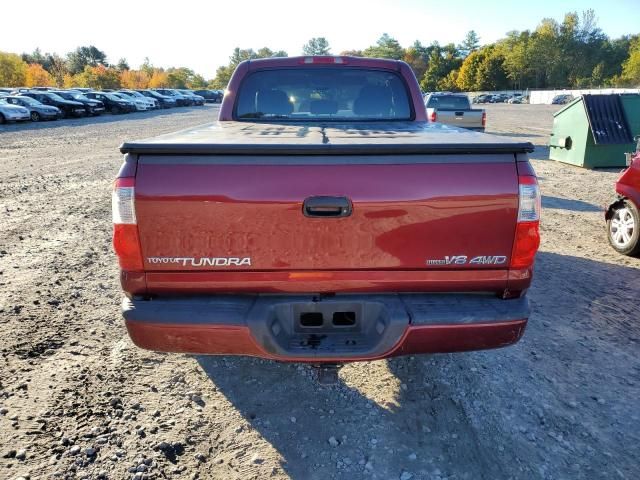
pixel 323 219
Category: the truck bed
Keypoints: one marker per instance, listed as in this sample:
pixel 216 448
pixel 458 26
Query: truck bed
pixel 371 138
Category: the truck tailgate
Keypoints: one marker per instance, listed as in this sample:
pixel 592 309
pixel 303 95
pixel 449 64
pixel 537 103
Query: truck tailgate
pixel 409 212
pixel 461 118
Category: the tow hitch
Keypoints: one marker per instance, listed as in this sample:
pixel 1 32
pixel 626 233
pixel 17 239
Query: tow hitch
pixel 327 373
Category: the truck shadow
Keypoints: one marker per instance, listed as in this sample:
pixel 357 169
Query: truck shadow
pixel 455 415
pixel 558 203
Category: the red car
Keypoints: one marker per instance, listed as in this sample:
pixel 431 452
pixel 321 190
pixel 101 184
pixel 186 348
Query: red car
pixel 323 219
pixel 623 219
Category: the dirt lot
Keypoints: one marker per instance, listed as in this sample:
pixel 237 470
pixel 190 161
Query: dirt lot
pixel 78 400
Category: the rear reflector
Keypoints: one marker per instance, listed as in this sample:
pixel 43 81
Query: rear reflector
pixel 433 117
pixel 484 119
pixel 527 236
pixel 126 242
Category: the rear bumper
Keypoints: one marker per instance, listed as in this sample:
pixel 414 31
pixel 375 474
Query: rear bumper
pixel 269 326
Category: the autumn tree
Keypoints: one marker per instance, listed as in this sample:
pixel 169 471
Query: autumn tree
pixel 134 79
pixel 37 76
pixel 13 70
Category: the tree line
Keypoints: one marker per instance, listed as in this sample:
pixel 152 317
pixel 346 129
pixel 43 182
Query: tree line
pixel 574 53
pixel 87 66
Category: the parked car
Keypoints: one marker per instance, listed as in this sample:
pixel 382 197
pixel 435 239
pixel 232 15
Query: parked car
pixel 12 113
pixel 518 98
pixel 455 109
pixel 132 94
pixel 113 103
pixel 623 215
pixel 69 108
pixel 482 98
pixel 181 100
pixel 197 99
pixel 142 105
pixel 92 107
pixel 562 99
pixel 166 101
pixel 210 96
pixel 37 111
pixel 391 219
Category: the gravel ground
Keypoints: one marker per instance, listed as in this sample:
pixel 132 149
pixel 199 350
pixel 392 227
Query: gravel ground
pixel 78 400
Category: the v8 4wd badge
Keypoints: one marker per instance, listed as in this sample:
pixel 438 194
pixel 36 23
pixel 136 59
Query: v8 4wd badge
pixel 465 260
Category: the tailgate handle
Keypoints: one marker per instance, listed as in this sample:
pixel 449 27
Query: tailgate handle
pixel 327 207
pixel 459 114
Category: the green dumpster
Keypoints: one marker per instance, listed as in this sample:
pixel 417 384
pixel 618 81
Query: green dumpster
pixel 596 130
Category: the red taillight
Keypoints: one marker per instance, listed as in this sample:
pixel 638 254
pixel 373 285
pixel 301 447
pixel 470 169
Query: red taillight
pixel 527 236
pixel 525 244
pixel 433 117
pixel 126 242
pixel 484 119
pixel 323 60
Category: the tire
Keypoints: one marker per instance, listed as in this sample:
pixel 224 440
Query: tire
pixel 114 110
pixel 2 119
pixel 623 228
pixel 35 117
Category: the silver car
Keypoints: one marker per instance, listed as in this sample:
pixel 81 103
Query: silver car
pixel 12 113
pixel 37 111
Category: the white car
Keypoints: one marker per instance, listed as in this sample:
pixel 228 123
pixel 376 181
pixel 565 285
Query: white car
pixel 137 95
pixel 141 105
pixel 13 113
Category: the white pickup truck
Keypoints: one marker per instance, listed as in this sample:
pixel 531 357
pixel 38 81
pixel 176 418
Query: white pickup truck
pixel 454 109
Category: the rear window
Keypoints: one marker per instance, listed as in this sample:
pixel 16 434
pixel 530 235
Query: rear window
pixel 448 102
pixel 323 94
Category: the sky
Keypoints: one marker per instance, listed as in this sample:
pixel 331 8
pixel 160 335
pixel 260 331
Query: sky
pixel 201 35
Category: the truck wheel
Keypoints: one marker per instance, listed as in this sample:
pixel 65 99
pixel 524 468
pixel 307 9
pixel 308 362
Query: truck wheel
pixel 623 229
pixel 35 117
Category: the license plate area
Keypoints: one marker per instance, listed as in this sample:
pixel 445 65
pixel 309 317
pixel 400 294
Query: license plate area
pixel 337 327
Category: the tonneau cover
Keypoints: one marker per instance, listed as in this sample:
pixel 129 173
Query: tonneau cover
pixel 371 138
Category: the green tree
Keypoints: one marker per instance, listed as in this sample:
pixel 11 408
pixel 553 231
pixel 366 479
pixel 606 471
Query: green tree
pixel 468 75
pixel 631 66
pixel 223 73
pixel 491 74
pixel 122 64
pixel 470 44
pixel 417 56
pixel 82 57
pixel 442 61
pixel 352 53
pixel 13 70
pixel 385 47
pixel 316 46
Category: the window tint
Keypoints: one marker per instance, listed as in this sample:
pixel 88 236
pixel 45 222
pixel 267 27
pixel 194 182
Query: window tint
pixel 448 102
pixel 312 94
